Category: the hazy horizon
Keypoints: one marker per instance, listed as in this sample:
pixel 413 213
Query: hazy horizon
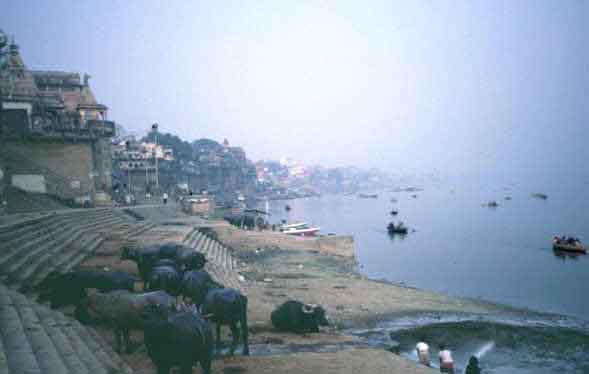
pixel 419 86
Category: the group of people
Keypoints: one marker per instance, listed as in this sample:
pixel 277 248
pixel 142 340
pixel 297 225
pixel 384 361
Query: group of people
pixel 570 240
pixel 445 357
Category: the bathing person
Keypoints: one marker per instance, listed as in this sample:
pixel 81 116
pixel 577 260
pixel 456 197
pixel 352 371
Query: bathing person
pixel 446 361
pixel 423 352
pixel 473 366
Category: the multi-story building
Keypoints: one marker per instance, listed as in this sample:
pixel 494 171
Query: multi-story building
pixel 54 135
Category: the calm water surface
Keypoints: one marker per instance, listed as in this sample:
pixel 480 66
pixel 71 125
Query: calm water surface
pixel 462 248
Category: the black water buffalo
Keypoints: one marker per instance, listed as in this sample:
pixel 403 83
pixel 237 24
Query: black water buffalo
pixel 196 284
pixel 123 310
pixel 227 306
pixel 189 259
pixel 62 289
pixel 144 258
pixel 147 258
pixel 294 316
pixel 164 278
pixel 177 338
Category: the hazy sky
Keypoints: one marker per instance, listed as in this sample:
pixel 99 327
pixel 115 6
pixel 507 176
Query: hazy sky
pixel 414 85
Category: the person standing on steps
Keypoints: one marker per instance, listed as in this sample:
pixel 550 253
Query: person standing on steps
pixel 446 361
pixel 165 197
pixel 422 350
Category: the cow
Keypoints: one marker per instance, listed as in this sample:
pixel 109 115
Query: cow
pixel 123 310
pixel 177 338
pixel 195 286
pixel 62 289
pixel 297 317
pixel 226 306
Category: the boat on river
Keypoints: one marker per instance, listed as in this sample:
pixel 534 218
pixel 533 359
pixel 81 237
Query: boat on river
pixel 368 196
pixel 563 245
pixel 399 228
pixel 299 229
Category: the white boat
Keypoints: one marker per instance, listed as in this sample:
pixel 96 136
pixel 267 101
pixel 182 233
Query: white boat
pixel 300 229
pixel 293 225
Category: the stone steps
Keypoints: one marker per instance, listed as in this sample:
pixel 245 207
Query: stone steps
pixel 138 229
pixel 65 233
pixel 68 259
pixel 46 227
pixel 220 262
pixel 35 339
pixel 35 260
pixel 59 244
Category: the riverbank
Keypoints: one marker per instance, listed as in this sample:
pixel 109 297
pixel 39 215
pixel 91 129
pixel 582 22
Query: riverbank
pixel 280 267
pixel 324 271
pixel 275 267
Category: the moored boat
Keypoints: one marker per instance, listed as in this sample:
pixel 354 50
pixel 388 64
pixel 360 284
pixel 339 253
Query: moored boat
pixel 299 229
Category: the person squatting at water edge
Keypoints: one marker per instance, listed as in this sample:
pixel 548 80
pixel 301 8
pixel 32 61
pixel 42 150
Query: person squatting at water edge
pixel 446 361
pixel 473 366
pixel 423 352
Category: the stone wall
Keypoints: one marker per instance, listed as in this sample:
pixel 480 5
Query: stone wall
pixel 66 167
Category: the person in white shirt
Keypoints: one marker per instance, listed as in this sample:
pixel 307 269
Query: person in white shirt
pixel 165 197
pixel 446 361
pixel 423 352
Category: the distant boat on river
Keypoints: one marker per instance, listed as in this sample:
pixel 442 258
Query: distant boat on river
pixel 368 196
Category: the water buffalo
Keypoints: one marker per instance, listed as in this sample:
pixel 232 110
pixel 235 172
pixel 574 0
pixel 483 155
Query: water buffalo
pixel 144 258
pixel 227 306
pixel 164 278
pixel 196 284
pixel 177 338
pixel 294 316
pixel 123 310
pixel 62 289
pixel 149 257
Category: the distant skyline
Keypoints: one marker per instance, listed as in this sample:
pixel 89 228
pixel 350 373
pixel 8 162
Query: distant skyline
pixel 451 87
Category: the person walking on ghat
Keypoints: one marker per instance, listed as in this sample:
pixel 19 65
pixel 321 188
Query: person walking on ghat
pixel 165 197
pixel 422 350
pixel 446 361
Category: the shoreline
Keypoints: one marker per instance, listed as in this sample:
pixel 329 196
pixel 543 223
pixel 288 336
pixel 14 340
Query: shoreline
pixel 424 302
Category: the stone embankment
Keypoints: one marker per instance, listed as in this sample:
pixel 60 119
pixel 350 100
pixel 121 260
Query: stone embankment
pixel 35 339
pixel 31 249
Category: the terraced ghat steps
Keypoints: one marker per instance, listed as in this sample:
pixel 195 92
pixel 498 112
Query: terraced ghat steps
pixel 29 250
pixel 220 262
pixel 35 339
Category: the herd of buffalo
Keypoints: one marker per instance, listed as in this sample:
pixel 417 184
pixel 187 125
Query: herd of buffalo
pixel 175 310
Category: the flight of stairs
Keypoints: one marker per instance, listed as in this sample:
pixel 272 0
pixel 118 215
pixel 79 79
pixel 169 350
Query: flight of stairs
pixel 220 262
pixel 30 250
pixel 35 339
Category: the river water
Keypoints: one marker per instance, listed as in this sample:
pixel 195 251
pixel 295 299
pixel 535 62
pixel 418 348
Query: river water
pixel 460 247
